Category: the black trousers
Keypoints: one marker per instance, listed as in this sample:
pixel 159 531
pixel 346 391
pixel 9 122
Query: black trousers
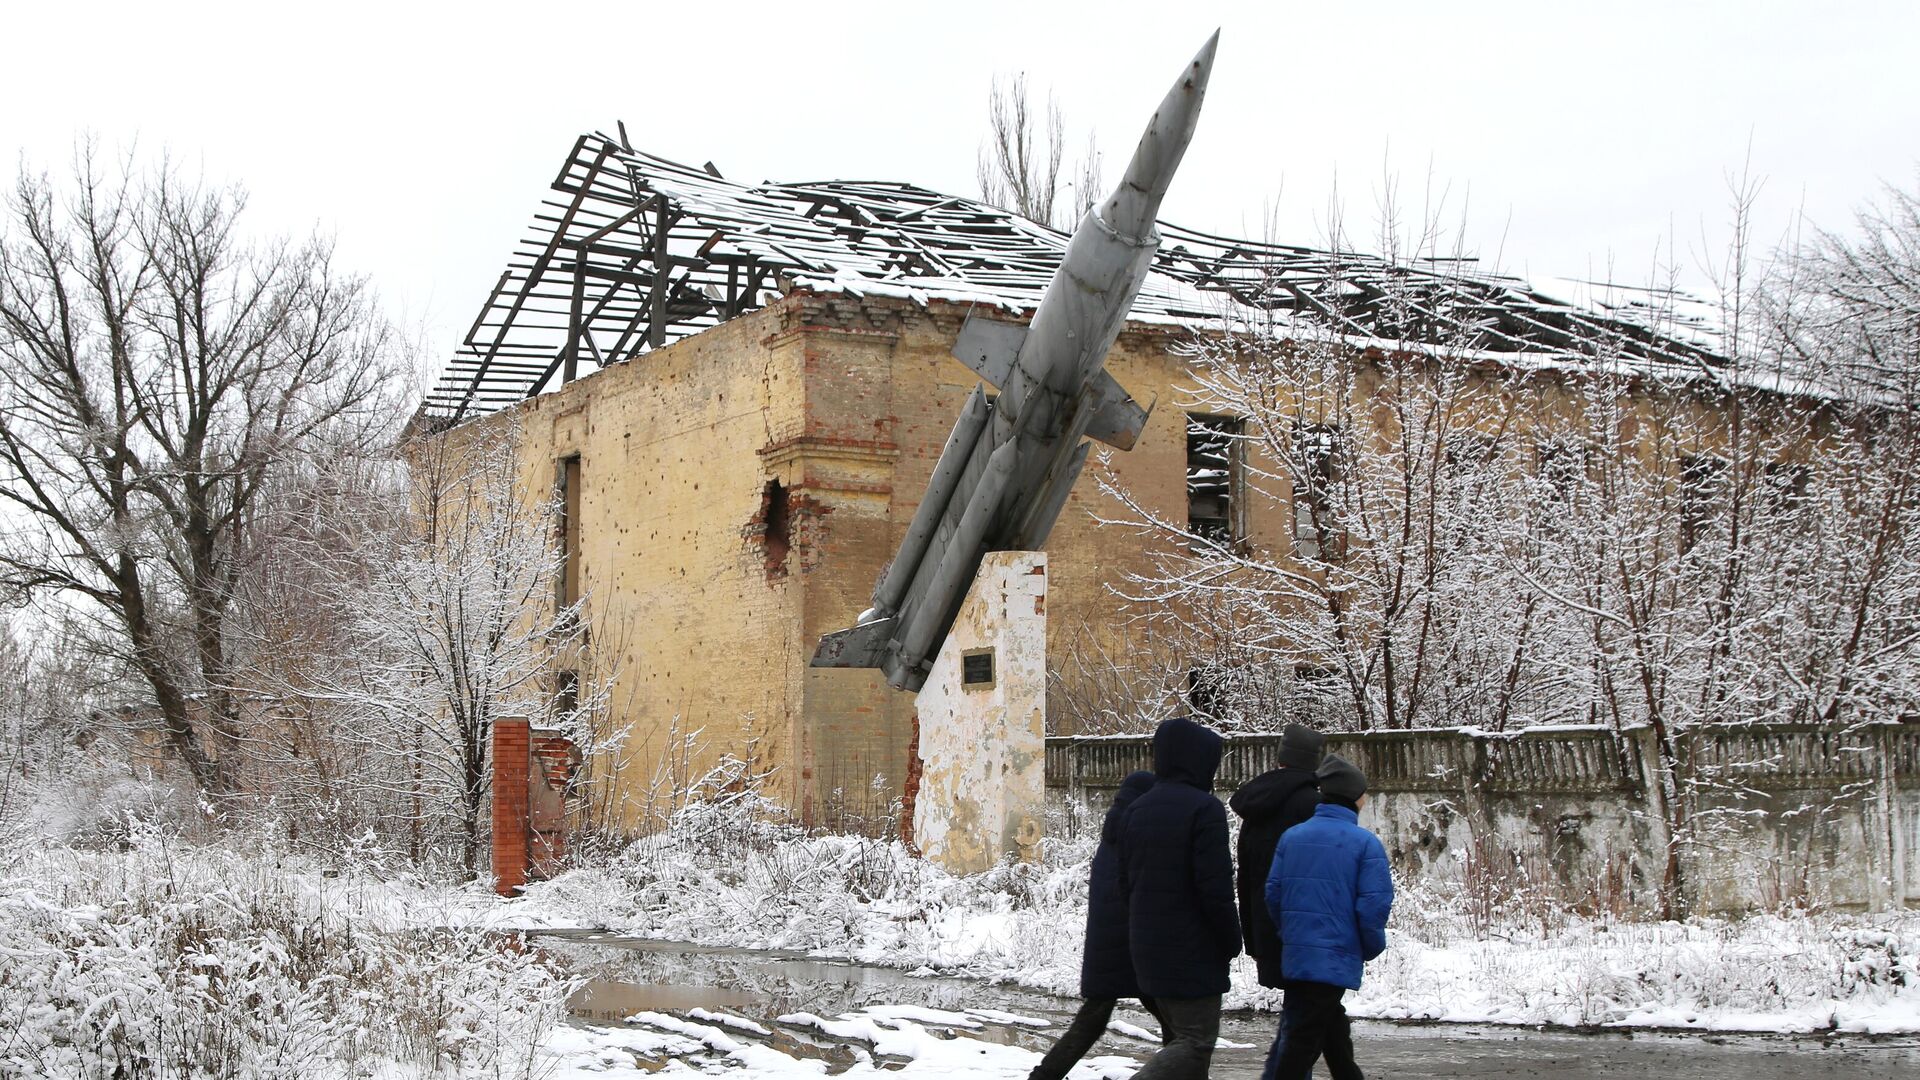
pixel 1313 1022
pixel 1194 1024
pixel 1088 1025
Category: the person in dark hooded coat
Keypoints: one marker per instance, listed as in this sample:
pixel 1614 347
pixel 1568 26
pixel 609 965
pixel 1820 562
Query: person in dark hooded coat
pixel 1176 874
pixel 1106 964
pixel 1269 805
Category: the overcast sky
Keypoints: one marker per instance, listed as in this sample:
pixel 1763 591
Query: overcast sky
pixel 1576 139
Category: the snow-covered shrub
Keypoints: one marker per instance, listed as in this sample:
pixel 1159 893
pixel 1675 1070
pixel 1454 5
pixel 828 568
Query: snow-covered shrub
pixel 169 963
pixel 728 874
pixel 727 814
pixel 1872 957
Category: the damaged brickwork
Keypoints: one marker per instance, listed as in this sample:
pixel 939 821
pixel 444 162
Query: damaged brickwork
pixel 742 488
pixel 785 533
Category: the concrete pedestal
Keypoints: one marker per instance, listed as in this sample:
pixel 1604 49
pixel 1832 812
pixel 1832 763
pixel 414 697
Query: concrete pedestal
pixel 982 722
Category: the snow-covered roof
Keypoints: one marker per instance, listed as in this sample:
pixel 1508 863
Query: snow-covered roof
pixel 632 252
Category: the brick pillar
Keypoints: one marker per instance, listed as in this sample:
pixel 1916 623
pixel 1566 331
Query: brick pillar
pixel 511 764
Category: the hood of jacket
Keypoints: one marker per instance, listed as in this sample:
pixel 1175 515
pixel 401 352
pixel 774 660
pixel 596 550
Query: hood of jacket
pixel 1185 752
pixel 1266 795
pixel 1134 786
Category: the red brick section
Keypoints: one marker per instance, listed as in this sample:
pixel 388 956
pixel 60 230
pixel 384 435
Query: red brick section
pixel 553 756
pixel 512 769
pixel 910 791
pixel 551 772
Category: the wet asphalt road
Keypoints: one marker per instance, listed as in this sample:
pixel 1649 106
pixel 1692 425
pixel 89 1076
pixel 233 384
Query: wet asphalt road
pixel 629 976
pixel 1392 1050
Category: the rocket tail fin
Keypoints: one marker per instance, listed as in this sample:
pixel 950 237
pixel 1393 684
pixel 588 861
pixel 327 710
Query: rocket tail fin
pixel 862 646
pixel 1117 418
pixel 989 347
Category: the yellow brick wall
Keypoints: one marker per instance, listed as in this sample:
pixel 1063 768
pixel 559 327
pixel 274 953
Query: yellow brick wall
pixel 679 604
pixel 847 403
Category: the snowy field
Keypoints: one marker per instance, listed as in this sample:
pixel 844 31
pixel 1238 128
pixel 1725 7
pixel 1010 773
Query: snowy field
pixel 263 965
pixel 169 962
pixel 717 884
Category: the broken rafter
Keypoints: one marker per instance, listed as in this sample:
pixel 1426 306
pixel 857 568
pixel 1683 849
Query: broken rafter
pixel 485 357
pixel 660 250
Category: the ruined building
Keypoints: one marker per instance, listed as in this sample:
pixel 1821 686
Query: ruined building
pixel 737 392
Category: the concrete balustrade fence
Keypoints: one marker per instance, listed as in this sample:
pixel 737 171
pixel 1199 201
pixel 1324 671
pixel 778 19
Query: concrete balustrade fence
pixel 1767 815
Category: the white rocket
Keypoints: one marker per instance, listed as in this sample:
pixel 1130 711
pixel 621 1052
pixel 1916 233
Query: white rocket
pixel 1005 472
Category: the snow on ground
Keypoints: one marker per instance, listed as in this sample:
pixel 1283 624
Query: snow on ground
pixel 871 902
pixel 174 961
pixel 889 1040
pixel 260 965
pixel 1798 973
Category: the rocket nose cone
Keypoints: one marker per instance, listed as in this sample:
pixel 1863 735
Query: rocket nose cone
pixel 1203 60
pixel 1131 209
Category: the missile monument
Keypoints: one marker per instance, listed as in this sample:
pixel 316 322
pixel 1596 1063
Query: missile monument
pixel 1003 477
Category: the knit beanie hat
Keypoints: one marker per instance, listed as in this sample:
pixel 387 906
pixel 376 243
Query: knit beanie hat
pixel 1340 778
pixel 1300 747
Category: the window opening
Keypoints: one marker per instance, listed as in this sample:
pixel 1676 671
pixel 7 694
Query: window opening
pixel 1316 467
pixel 1205 690
pixel 1316 680
pixel 1213 478
pixel 1784 486
pixel 1562 467
pixel 1703 485
pixel 1469 451
pixel 567 592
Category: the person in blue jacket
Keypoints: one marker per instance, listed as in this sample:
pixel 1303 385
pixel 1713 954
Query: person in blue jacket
pixel 1176 875
pixel 1106 964
pixel 1329 892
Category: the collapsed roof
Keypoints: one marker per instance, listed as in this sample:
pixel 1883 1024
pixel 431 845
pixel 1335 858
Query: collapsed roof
pixel 633 252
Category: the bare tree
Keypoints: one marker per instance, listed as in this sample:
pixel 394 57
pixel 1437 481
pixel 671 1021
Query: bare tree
pixel 450 620
pixel 1014 172
pixel 1374 611
pixel 1089 185
pixel 1601 540
pixel 326 774
pixel 1019 164
pixel 156 369
pixel 1843 309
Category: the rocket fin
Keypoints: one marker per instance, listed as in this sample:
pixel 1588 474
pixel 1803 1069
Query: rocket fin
pixel 989 347
pixel 856 646
pixel 1117 418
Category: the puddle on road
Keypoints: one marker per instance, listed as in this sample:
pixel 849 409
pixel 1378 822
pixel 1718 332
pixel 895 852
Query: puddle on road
pixel 628 976
pixel 613 999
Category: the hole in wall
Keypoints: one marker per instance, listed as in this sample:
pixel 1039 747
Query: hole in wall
pixel 776 523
